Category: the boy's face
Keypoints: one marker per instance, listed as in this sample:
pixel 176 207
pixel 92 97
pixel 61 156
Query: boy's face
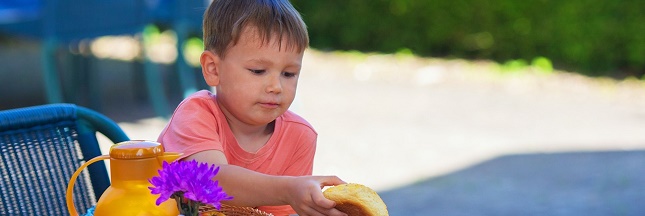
pixel 257 81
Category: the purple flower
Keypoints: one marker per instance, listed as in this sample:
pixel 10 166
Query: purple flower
pixel 182 180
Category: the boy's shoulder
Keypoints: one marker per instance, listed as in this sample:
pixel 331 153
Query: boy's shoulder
pixel 197 103
pixel 200 95
pixel 292 118
pixel 201 98
pixel 205 100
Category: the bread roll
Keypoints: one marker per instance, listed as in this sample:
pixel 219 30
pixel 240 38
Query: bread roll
pixel 356 200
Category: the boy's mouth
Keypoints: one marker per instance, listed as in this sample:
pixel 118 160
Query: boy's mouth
pixel 269 105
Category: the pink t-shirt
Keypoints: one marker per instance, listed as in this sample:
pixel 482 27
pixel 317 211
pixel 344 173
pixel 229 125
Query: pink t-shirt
pixel 198 124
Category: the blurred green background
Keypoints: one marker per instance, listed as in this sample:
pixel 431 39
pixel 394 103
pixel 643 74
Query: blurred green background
pixel 597 38
pixel 593 37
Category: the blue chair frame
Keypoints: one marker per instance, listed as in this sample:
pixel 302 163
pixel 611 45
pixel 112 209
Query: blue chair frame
pixel 41 147
pixel 60 22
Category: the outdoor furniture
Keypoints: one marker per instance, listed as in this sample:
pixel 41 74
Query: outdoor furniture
pixel 57 23
pixel 185 18
pixel 41 147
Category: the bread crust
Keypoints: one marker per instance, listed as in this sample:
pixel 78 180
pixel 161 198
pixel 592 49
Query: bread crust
pixel 356 200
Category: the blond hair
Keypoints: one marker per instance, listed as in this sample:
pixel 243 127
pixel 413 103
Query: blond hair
pixel 224 21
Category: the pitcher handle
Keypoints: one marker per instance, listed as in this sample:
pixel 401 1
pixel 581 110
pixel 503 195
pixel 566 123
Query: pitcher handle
pixel 70 186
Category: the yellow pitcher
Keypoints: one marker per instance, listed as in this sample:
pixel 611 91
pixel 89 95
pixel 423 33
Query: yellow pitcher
pixel 132 163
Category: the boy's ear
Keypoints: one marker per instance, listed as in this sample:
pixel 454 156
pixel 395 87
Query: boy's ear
pixel 210 67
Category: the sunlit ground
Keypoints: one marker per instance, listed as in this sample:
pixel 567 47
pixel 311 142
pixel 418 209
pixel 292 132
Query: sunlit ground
pixel 387 120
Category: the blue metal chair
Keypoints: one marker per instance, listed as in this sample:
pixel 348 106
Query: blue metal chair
pixel 41 147
pixel 59 22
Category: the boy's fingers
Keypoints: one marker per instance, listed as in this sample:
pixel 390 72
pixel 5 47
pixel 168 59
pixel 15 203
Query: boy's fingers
pixel 329 211
pixel 335 212
pixel 306 210
pixel 321 201
pixel 326 207
pixel 331 181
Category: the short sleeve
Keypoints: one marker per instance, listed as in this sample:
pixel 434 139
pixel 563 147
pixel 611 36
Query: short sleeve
pixel 300 138
pixel 303 160
pixel 193 128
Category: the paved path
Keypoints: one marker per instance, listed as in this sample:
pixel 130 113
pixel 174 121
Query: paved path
pixel 455 138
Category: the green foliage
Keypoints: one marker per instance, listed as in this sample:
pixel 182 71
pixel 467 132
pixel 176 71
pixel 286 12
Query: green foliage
pixel 542 64
pixel 592 36
pixel 193 49
pixel 514 65
pixel 151 34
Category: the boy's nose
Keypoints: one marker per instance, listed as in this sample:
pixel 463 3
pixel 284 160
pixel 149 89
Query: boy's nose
pixel 274 85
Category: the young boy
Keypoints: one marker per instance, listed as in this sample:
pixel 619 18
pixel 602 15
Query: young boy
pixel 253 57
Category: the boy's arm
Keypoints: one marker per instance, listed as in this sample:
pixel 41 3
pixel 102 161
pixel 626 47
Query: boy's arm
pixel 250 188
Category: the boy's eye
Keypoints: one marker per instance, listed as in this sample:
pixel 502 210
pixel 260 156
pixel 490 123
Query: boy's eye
pixel 288 74
pixel 257 71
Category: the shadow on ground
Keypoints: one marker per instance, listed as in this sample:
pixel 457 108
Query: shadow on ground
pixel 576 183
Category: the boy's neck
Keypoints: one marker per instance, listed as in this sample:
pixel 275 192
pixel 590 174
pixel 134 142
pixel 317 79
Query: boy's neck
pixel 242 129
pixel 250 137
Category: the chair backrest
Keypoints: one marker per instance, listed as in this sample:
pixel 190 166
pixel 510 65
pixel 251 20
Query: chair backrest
pixel 70 20
pixel 41 147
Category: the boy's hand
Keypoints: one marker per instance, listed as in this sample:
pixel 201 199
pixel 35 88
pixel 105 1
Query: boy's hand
pixel 306 198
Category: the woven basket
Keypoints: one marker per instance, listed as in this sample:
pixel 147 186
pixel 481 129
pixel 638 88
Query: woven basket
pixel 231 211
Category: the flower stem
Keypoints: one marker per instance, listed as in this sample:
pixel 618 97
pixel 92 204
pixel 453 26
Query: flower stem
pixel 179 201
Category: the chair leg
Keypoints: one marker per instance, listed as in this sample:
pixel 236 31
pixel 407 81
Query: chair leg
pixel 94 84
pixel 154 85
pixel 51 76
pixel 137 79
pixel 186 73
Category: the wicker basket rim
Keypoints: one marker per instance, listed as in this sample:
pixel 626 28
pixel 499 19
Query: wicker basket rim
pixel 230 210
